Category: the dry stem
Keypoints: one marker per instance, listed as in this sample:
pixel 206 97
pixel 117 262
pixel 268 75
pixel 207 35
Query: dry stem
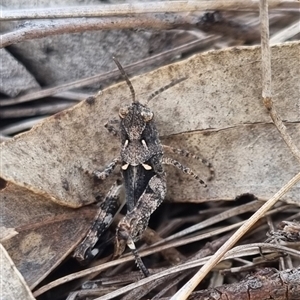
pixel 138 8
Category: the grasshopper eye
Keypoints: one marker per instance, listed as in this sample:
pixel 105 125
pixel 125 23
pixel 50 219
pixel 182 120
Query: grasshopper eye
pixel 123 112
pixel 147 115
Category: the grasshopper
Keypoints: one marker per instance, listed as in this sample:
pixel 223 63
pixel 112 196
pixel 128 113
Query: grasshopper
pixel 141 159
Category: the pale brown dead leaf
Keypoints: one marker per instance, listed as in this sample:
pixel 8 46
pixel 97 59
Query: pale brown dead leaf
pixel 217 112
pixel 13 285
pixel 245 162
pixel 47 232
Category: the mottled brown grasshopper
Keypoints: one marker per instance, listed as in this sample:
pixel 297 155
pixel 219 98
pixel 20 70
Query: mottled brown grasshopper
pixel 141 159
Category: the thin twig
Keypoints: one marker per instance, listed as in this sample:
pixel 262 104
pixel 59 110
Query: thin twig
pixel 43 28
pixel 21 126
pixel 265 50
pixel 73 96
pixel 281 128
pixel 239 251
pixel 251 206
pixel 202 236
pixel 286 33
pixel 34 110
pixel 189 287
pixel 161 57
pixel 200 260
pixel 207 250
pixel 137 8
pixel 272 228
pixel 46 28
pixel 192 264
pixel 267 80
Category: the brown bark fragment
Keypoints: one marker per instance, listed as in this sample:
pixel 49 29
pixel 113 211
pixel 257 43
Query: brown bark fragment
pixel 266 284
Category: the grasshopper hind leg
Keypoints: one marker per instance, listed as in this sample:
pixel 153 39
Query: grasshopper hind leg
pixel 86 250
pixel 185 153
pixel 132 226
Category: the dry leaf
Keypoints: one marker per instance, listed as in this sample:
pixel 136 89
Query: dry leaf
pixel 216 112
pixel 47 232
pixel 244 160
pixel 13 285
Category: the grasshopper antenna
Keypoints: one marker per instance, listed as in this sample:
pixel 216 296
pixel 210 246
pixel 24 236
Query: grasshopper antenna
pixel 126 78
pixel 164 88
